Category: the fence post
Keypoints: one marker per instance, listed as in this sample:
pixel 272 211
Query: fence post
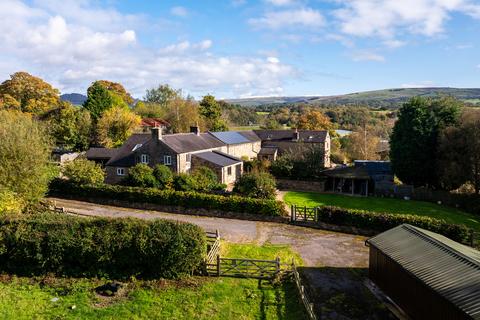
pixel 218 265
pixel 278 264
pixel 305 213
pixel 217 234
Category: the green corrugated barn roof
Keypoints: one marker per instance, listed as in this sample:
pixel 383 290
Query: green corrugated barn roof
pixel 449 268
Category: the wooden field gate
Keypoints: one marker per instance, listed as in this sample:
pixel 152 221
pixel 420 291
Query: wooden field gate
pixel 303 214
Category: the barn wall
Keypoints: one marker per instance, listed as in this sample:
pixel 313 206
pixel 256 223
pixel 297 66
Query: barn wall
pixel 413 296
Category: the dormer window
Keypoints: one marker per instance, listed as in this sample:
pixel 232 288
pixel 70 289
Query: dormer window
pixel 145 159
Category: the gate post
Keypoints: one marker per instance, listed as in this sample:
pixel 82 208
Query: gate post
pixel 218 265
pixel 291 213
pixel 278 265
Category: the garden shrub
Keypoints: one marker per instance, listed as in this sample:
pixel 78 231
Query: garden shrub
pixel 10 202
pixel 164 176
pixel 184 182
pixel 141 175
pixel 83 171
pixel 256 185
pixel 237 204
pixel 206 180
pixel 384 221
pixel 117 248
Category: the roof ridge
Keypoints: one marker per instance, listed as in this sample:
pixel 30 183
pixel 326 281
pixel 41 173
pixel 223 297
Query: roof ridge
pixel 419 232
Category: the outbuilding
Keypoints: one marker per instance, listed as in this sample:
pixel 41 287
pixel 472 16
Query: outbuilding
pixel 426 274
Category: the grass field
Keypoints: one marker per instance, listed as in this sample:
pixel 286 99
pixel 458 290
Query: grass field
pixel 243 128
pixel 398 206
pixel 192 298
pixel 264 252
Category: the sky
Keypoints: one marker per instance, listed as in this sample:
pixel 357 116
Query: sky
pixel 243 48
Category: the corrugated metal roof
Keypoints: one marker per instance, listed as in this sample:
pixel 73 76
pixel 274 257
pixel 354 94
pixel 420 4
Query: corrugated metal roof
pixel 449 268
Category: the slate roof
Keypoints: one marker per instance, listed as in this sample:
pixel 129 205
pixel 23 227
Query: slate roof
pixel 218 158
pixel 449 268
pixel 124 156
pixel 101 153
pixel 375 167
pixel 288 135
pixel 268 151
pixel 348 172
pixel 190 142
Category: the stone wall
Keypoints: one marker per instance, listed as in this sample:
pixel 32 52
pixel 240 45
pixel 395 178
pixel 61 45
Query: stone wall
pixel 299 185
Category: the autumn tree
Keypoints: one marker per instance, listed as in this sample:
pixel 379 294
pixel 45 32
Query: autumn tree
pixel 414 140
pixel 116 125
pixel 24 156
pixel 117 89
pixel 149 109
pixel 362 145
pixel 71 127
pixel 459 153
pixel 314 120
pixel 181 114
pixel 211 111
pixel 162 95
pixel 27 93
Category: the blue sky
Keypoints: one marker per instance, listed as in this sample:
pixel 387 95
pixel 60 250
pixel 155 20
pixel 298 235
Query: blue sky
pixel 241 48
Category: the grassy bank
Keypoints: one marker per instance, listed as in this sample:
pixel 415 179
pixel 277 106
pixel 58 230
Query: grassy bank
pixel 387 205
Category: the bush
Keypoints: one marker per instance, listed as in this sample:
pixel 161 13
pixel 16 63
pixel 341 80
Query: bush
pixel 206 180
pixel 115 248
pixel 141 175
pixel 257 185
pixel 184 182
pixel 83 171
pixel 384 221
pixel 170 198
pixel 10 202
pixel 164 176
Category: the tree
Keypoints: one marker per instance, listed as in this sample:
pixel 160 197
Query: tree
pixel 98 100
pixel 184 182
pixel 314 120
pixel 362 145
pixel 27 93
pixel 117 89
pixel 162 95
pixel 256 185
pixel 459 154
pixel 141 175
pixel 164 176
pixel 149 110
pixel 82 171
pixel 414 140
pixel 25 150
pixel 71 127
pixel 211 111
pixel 116 125
pixel 181 114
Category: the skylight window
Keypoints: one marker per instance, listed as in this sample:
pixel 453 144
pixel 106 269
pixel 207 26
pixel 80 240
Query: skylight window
pixel 136 146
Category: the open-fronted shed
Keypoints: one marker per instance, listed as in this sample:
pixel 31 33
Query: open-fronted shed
pixel 428 275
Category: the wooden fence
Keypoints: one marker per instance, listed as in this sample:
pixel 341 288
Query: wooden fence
pixel 307 301
pixel 303 214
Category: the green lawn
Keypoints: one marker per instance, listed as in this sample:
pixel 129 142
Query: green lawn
pixel 263 252
pixel 311 199
pixel 192 298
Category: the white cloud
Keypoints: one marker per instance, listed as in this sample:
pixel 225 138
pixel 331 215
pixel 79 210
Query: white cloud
pixel 393 44
pixel 386 18
pixel 303 17
pixel 282 2
pixel 71 51
pixel 365 55
pixel 422 84
pixel 179 11
pixel 478 66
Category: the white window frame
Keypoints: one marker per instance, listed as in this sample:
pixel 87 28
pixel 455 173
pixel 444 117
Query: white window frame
pixel 145 158
pixel 120 171
pixel 167 160
pixel 229 171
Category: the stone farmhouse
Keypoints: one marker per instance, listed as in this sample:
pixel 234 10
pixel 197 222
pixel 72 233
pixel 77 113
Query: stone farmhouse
pixel 223 152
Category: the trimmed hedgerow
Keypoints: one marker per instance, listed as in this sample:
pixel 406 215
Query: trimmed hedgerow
pixel 376 221
pixel 117 248
pixel 190 199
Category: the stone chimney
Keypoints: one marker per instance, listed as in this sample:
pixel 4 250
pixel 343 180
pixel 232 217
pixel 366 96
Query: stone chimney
pixel 296 135
pixel 156 133
pixel 195 129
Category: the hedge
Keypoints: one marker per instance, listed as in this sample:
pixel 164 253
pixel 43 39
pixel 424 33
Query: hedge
pixel 36 244
pixel 184 199
pixel 380 222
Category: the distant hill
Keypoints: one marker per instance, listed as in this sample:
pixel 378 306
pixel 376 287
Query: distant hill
pixel 388 98
pixel 76 99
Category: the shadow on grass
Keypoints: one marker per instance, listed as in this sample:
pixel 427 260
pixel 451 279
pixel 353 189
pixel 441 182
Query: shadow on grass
pixel 339 293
